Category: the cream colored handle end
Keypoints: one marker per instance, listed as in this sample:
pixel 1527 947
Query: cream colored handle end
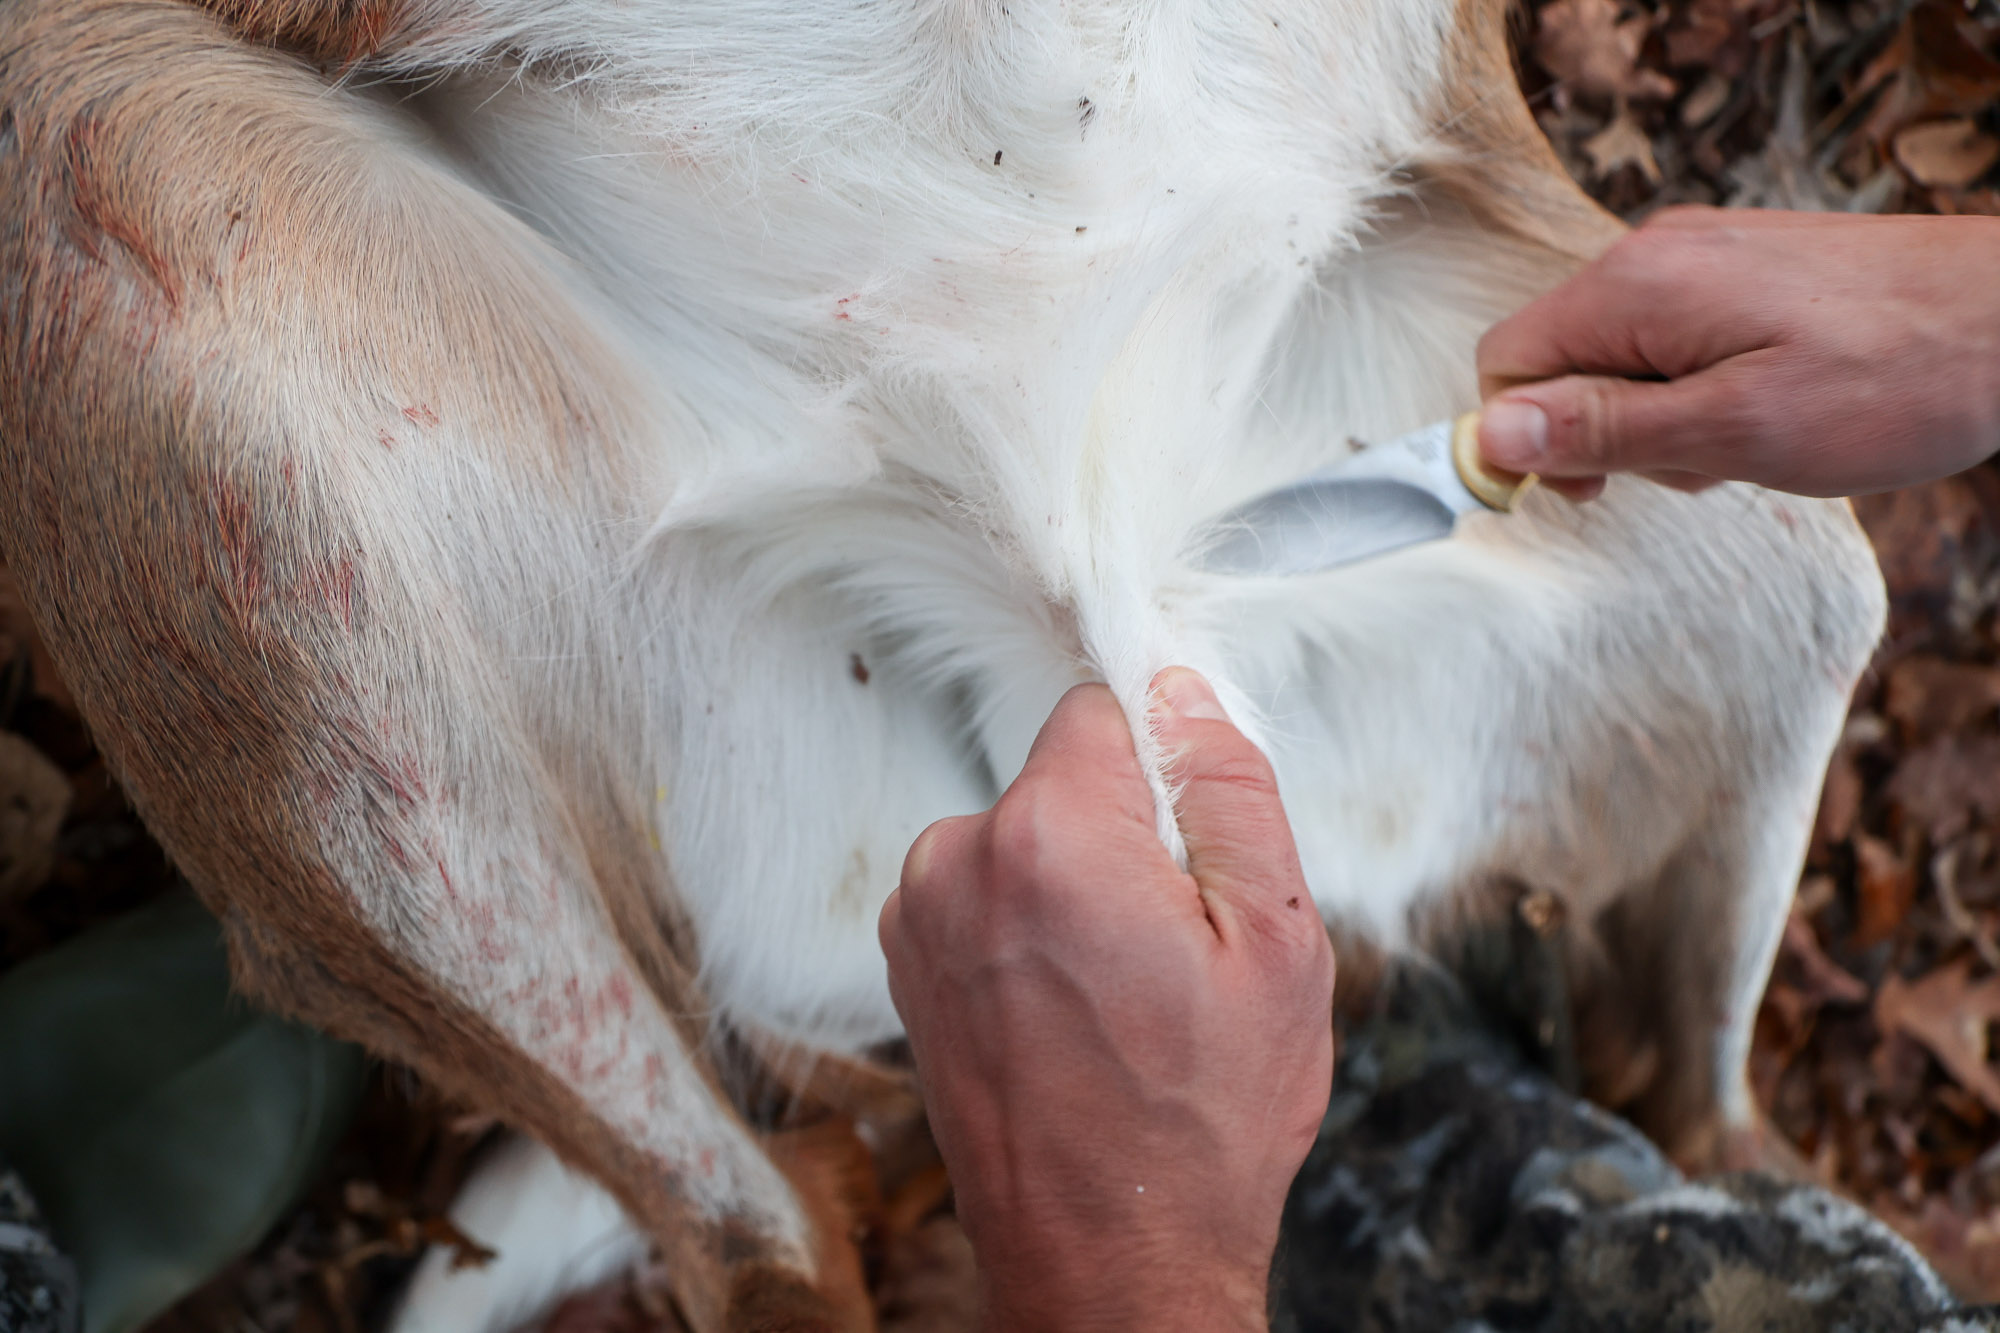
pixel 1494 488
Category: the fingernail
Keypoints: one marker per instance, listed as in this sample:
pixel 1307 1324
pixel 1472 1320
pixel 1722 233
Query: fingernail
pixel 1183 693
pixel 1514 433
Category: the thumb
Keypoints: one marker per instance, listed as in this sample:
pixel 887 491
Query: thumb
pixel 1590 425
pixel 1239 844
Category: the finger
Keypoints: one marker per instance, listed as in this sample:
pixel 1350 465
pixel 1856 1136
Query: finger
pixel 1587 324
pixel 1084 769
pixel 1587 426
pixel 941 851
pixel 1239 844
pixel 1691 482
pixel 1665 301
pixel 889 932
pixel 937 871
pixel 1575 489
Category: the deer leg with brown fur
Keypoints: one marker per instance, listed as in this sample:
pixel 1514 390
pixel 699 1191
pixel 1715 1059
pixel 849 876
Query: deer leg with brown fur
pixel 312 472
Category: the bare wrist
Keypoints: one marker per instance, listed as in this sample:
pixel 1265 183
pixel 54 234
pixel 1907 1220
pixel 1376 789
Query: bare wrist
pixel 1119 1294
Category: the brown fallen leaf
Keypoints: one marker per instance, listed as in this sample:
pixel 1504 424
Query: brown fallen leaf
pixel 1947 869
pixel 1947 1013
pixel 1706 101
pixel 1933 67
pixel 1590 48
pixel 929 1281
pixel 34 797
pixel 1965 1250
pixel 1702 33
pixel 1967 203
pixel 1947 784
pixel 1953 153
pixel 1919 535
pixel 1622 144
pixel 1839 802
pixel 1928 695
pixel 1824 981
pixel 1787 170
pixel 1886 885
pixel 16 624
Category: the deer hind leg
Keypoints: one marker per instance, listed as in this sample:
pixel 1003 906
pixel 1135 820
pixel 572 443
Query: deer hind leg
pixel 1631 703
pixel 318 483
pixel 1628 705
pixel 1678 967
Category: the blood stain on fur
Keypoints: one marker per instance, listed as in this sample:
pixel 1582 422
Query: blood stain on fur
pixel 97 207
pixel 857 668
pixel 240 543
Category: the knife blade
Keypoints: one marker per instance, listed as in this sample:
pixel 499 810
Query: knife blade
pixel 1385 497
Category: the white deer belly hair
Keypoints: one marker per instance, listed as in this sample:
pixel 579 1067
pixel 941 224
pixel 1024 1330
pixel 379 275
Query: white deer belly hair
pixel 949 369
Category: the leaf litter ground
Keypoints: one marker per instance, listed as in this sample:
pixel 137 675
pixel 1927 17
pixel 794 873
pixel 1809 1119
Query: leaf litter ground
pixel 1875 1044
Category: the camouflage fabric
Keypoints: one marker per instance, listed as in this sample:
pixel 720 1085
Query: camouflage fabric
pixel 37 1285
pixel 1456 1189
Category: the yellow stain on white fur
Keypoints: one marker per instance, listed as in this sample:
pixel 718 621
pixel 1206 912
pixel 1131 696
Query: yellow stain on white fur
pixel 850 896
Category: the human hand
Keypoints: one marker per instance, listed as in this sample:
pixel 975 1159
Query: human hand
pixel 1124 1063
pixel 1826 354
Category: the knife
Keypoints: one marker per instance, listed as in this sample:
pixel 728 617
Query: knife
pixel 1412 489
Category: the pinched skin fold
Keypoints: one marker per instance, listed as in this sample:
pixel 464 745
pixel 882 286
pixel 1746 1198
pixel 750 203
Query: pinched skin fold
pixel 542 503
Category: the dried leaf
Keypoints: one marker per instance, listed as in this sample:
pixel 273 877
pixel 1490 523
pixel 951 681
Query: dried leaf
pixel 1622 144
pixel 1945 873
pixel 1920 536
pixel 1950 54
pixel 1586 46
pixel 1947 1013
pixel 1698 35
pixel 1928 695
pixel 1952 153
pixel 16 624
pixel 1825 981
pixel 1839 802
pixel 34 796
pixel 1965 1250
pixel 466 1252
pixel 929 1281
pixel 1967 203
pixel 1886 884
pixel 1786 172
pixel 1931 69
pixel 1705 101
pixel 1948 784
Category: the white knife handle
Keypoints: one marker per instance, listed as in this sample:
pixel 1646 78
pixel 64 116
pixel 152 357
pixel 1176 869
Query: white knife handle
pixel 1493 487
